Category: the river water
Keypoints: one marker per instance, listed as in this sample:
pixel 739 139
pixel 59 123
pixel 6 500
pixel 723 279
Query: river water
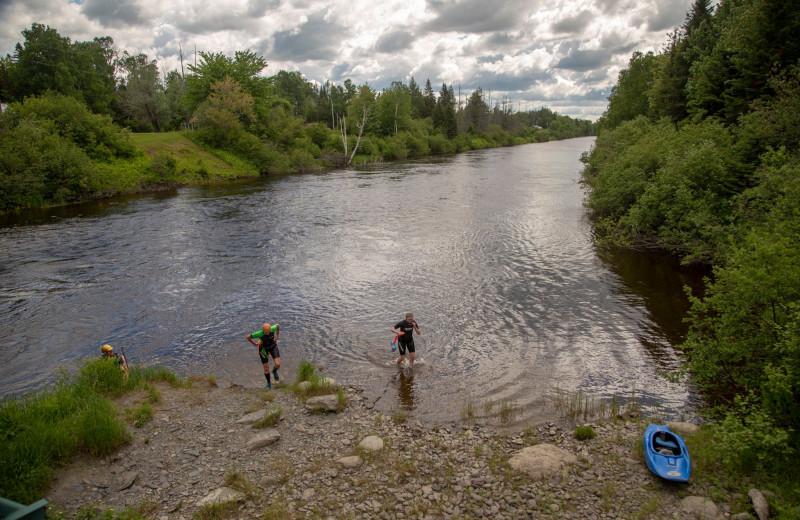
pixel 491 250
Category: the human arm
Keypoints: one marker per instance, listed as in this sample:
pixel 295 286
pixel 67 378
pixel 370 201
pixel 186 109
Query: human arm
pixel 416 328
pixel 396 329
pixel 255 335
pixel 277 329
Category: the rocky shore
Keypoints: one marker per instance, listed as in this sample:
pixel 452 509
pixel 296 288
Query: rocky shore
pixel 204 445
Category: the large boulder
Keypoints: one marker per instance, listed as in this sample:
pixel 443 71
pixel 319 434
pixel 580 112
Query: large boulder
pixel 371 443
pixel 683 428
pixel 759 503
pixel 701 507
pixel 542 460
pixel 326 403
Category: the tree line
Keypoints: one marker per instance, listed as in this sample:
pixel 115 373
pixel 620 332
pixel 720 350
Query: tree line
pixel 275 123
pixel 698 153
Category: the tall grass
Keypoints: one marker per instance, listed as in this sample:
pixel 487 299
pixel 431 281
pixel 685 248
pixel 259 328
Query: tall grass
pixel 41 431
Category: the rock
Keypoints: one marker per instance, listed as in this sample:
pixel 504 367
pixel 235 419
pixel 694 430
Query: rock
pixel 253 417
pixel 353 461
pixel 309 493
pixel 683 428
pixel 759 503
pixel 701 507
pixel 127 480
pixel 330 381
pixel 742 516
pixel 371 443
pixel 542 460
pixel 263 439
pixel 328 403
pixel 268 480
pixel 221 495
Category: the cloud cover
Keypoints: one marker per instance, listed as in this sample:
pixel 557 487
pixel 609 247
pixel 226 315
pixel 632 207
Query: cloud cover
pixel 564 54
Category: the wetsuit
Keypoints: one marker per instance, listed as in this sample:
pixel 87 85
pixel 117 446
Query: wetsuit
pixel 406 341
pixel 268 346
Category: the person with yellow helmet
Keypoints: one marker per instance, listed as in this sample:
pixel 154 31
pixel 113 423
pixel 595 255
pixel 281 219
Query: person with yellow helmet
pixel 268 345
pixel 108 351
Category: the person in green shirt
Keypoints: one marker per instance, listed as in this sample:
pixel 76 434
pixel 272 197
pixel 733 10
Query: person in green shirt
pixel 268 345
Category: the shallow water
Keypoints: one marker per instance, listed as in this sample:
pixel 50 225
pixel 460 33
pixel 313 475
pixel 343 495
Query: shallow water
pixel 492 251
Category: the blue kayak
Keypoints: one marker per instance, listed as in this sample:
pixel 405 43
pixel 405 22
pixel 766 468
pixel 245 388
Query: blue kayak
pixel 666 454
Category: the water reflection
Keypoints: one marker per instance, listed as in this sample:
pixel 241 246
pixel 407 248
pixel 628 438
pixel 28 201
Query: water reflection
pixel 405 389
pixel 658 282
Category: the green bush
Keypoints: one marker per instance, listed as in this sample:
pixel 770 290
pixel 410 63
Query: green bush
pixel 393 147
pixel 96 135
pixel 416 146
pixel 583 433
pixel 439 144
pixel 303 161
pixel 163 167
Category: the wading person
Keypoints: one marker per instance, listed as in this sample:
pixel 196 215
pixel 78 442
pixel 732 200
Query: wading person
pixel 108 351
pixel 405 338
pixel 268 346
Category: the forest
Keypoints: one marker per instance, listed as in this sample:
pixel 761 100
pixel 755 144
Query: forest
pixel 698 154
pixel 76 116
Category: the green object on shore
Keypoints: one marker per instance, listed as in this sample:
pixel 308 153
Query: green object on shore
pixel 10 510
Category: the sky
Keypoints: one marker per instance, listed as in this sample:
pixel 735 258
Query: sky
pixel 561 54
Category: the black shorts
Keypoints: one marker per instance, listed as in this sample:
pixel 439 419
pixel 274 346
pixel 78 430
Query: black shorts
pixel 264 353
pixel 404 346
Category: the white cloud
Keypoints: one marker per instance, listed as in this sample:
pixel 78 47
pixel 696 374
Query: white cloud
pixel 565 54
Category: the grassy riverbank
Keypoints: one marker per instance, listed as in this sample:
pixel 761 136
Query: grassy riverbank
pixel 42 431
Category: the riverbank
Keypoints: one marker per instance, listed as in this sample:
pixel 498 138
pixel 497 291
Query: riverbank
pixel 200 439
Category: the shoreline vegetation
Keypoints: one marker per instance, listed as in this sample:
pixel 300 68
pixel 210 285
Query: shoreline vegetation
pixel 85 120
pixel 698 154
pixel 96 442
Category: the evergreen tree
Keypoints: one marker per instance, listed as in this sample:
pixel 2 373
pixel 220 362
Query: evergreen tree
pixel 630 96
pixel 430 100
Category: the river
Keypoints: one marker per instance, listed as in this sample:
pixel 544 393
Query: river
pixel 491 250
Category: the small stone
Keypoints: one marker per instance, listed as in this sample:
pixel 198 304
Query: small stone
pixel 127 480
pixel 353 461
pixel 221 495
pixel 253 417
pixel 268 480
pixel 263 439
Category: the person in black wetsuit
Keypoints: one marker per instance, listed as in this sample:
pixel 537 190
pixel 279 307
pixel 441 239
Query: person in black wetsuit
pixel 404 331
pixel 268 345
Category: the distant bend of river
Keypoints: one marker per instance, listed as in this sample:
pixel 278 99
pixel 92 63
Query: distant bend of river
pixel 491 250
